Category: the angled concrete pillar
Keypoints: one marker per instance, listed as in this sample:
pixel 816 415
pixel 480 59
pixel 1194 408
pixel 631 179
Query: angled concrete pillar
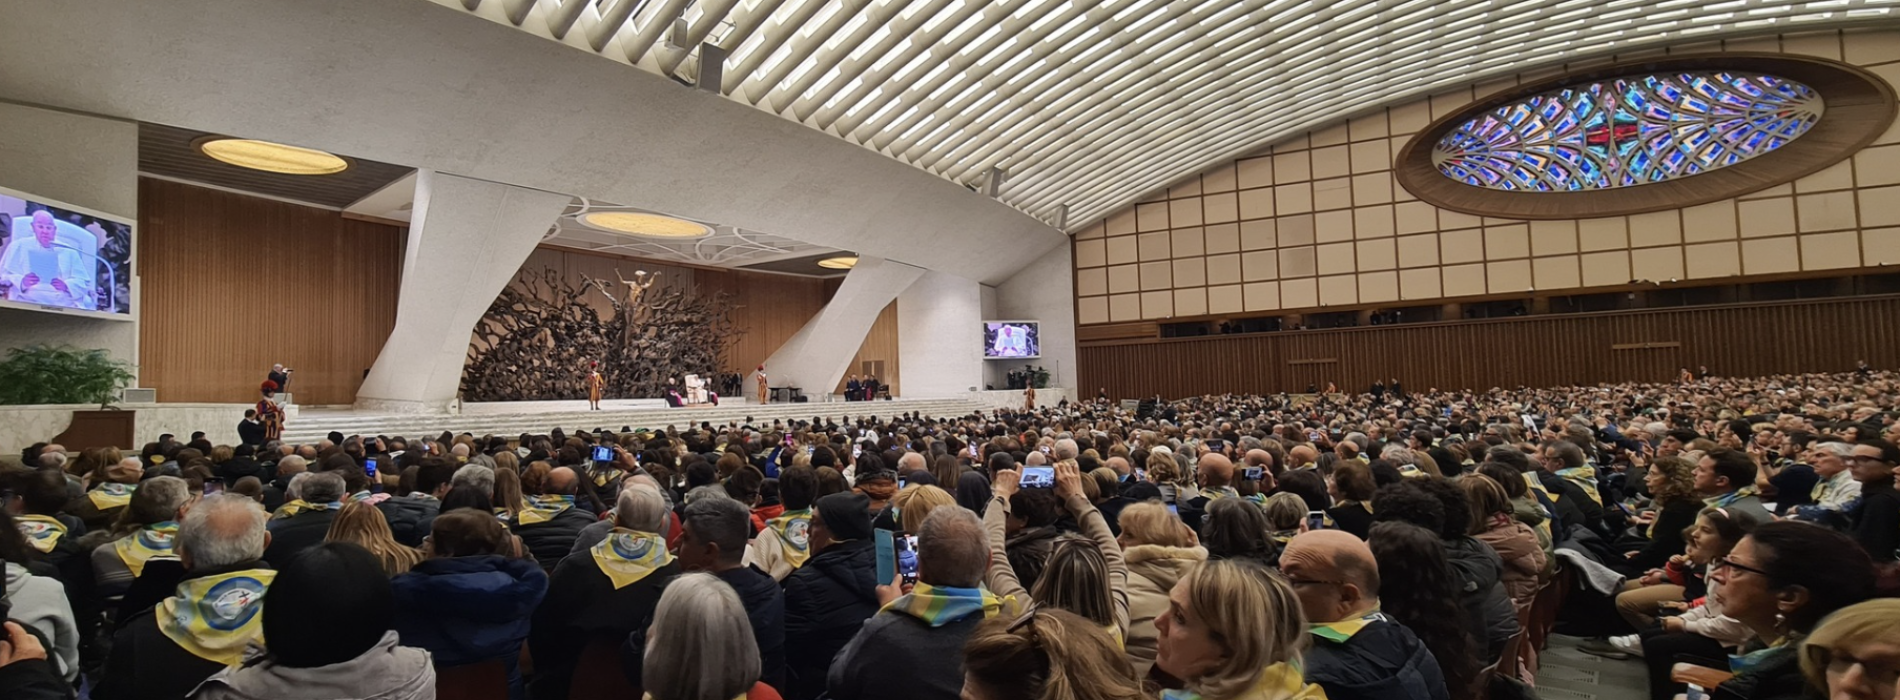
pixel 940 336
pixel 467 239
pixel 819 354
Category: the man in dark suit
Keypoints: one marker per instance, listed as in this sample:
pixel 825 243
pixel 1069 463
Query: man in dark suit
pixel 853 388
pixel 320 496
pixel 250 432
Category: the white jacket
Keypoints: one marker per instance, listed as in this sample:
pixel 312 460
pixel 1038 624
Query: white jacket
pixel 41 602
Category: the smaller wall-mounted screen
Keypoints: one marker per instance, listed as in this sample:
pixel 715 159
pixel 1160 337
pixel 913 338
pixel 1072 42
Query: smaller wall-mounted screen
pixel 55 257
pixel 1011 340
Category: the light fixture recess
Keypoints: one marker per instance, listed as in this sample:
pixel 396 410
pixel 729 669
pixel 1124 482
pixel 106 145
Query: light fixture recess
pixel 273 157
pixel 643 224
pixel 842 262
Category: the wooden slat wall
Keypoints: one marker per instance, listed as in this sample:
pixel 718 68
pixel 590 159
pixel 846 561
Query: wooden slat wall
pixel 879 344
pixel 1740 340
pixel 771 308
pixel 230 284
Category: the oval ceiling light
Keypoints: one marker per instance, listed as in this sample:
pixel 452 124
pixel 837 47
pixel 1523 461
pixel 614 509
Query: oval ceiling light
pixel 842 262
pixel 273 157
pixel 642 224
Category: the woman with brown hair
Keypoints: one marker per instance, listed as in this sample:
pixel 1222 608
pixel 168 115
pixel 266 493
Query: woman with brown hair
pixel 1351 487
pixel 1671 484
pixel 508 501
pixel 1492 522
pixel 363 525
pixel 1047 654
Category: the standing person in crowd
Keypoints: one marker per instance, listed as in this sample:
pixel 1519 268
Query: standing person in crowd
pixel 603 596
pixel 362 524
pixel 269 414
pixel 594 384
pixel 163 653
pixel 715 542
pixel 1084 574
pixel 1159 549
pixel 829 598
pixel 1233 631
pixel 913 642
pixel 1357 651
pixel 1046 653
pixel 329 636
pixel 1874 521
pixel 701 645
pixel 785 542
pixel 471 599
pixel 1781 581
pixel 303 523
pixel 1418 590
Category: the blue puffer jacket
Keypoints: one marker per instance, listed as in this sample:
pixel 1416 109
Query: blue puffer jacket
pixel 466 610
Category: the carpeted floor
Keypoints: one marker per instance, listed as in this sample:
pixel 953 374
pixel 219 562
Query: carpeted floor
pixel 1567 674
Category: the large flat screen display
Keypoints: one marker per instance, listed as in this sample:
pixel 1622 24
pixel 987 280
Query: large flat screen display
pixel 58 257
pixel 1011 340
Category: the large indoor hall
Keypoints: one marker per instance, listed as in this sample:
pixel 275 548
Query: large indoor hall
pixel 950 350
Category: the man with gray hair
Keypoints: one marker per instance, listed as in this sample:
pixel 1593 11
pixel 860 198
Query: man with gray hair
pixel 304 522
pixel 163 652
pixel 603 595
pixel 278 492
pixel 1837 486
pixel 478 476
pixel 916 641
pixel 1065 449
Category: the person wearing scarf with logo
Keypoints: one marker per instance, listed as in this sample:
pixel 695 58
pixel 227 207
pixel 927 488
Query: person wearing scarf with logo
pixel 828 599
pixel 785 543
pixel 143 532
pixel 914 643
pixel 36 601
pixel 1357 651
pixel 214 615
pixel 1725 479
pixel 603 595
pixel 39 497
pixel 320 496
pixel 100 505
pixel 550 521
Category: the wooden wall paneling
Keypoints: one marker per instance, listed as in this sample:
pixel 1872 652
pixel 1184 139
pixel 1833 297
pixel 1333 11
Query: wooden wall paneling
pixel 230 284
pixel 1755 339
pixel 880 344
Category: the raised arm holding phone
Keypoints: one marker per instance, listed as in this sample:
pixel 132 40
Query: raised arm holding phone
pixel 1106 606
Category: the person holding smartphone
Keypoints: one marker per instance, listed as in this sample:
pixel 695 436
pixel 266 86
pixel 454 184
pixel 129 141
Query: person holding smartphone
pixel 1083 577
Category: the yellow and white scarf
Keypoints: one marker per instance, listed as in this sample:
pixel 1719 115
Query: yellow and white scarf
pixel 42 531
pixel 111 495
pixel 627 556
pixel 299 505
pixel 217 617
pixel 153 542
pixel 794 535
pixel 540 509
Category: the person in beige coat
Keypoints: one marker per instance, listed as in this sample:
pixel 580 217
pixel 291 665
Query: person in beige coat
pixel 1493 523
pixel 1084 575
pixel 1159 549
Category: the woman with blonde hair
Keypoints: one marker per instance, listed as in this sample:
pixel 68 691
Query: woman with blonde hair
pixel 363 525
pixel 1083 574
pixel 1855 653
pixel 507 460
pixel 700 646
pixel 915 502
pixel 1233 631
pixel 508 500
pixel 1159 549
pixel 1047 654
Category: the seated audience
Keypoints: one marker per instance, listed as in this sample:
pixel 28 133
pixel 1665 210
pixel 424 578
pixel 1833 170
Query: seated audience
pixel 1233 631
pixel 604 595
pixel 1239 530
pixel 701 645
pixel 164 652
pixel 142 532
pixel 551 520
pixel 1047 653
pixel 1438 505
pixel 913 641
pixel 1030 527
pixel 1874 520
pixel 409 515
pixel 1357 651
pixel 1514 543
pixel 1670 483
pixel 362 524
pixel 39 602
pixel 829 598
pixel 470 600
pixel 1351 488
pixel 329 636
pixel 1419 590
pixel 1781 581
pixel 303 522
pixel 785 543
pixel 1855 653
pixel 1725 478
pixel 106 498
pixel 714 542
pixel 1158 549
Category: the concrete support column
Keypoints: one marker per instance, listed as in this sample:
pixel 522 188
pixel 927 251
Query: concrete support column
pixel 467 240
pixel 940 336
pixel 817 356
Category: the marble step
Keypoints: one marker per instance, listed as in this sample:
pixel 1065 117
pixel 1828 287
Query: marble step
pixel 313 424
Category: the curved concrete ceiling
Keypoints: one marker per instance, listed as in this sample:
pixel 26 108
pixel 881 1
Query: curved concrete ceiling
pixel 1091 104
pixel 417 84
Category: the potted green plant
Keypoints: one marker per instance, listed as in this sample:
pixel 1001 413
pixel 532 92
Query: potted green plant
pixel 42 374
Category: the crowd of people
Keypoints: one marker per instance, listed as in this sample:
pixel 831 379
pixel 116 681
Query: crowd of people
pixel 1387 545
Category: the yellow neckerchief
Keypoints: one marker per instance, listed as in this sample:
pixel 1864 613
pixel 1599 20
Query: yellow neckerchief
pixel 540 509
pixel 153 542
pixel 42 531
pixel 299 505
pixel 941 605
pixel 794 535
pixel 1115 632
pixel 1280 681
pixel 1585 477
pixel 1215 493
pixel 627 556
pixel 1343 630
pixel 111 495
pixel 217 617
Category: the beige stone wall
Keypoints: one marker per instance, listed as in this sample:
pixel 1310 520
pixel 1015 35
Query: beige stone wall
pixel 1319 221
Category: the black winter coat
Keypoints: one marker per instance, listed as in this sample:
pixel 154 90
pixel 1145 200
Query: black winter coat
pixel 550 541
pixel 583 607
pixel 411 518
pixel 826 601
pixel 295 534
pixel 1384 661
pixel 1489 615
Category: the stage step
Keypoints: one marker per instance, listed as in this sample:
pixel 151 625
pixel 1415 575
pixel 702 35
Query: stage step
pixel 313 424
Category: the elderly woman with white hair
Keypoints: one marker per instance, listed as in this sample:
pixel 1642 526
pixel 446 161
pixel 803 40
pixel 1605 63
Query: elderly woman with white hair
pixel 603 595
pixel 702 646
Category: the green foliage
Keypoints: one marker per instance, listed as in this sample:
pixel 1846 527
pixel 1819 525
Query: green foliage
pixel 46 375
pixel 1039 377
